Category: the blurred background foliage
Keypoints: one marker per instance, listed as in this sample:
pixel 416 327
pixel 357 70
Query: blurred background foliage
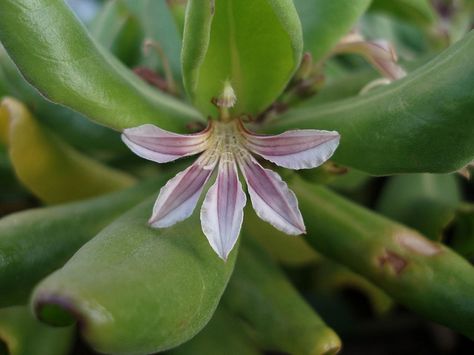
pixel 285 295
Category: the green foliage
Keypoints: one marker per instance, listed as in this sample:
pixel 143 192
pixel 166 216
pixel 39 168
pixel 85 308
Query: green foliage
pixel 67 91
pixel 130 275
pixel 70 68
pixel 399 128
pixel 220 43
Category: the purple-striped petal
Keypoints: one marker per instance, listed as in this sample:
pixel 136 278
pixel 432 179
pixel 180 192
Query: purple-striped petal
pixel 155 144
pixel 178 198
pixel 271 198
pixel 222 210
pixel 298 149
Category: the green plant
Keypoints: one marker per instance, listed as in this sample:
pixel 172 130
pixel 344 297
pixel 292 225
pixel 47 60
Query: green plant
pixel 174 79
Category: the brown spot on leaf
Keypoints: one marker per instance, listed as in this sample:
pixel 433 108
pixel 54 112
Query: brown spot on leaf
pixel 393 260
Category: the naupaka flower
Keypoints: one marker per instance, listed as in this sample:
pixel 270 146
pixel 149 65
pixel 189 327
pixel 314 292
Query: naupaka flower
pixel 227 145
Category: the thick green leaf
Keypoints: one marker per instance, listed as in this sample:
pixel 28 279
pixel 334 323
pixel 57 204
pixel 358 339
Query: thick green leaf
pixel 118 30
pixel 23 335
pixel 159 26
pixel 57 55
pixel 422 275
pixel 426 202
pixel 421 123
pixel 34 243
pixel 72 126
pixel 224 334
pixel 261 295
pixel 48 166
pixel 135 289
pixel 255 44
pixel 326 22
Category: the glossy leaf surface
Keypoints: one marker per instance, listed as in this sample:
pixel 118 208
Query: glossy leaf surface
pixel 35 243
pixel 57 55
pixel 254 44
pixel 49 167
pixel 71 125
pixel 421 123
pixel 131 275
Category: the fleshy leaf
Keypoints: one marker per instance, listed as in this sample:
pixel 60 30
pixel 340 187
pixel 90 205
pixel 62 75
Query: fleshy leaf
pixel 423 275
pixel 261 295
pixel 36 242
pixel 57 55
pixel 49 167
pixel 401 128
pixel 131 275
pixel 254 44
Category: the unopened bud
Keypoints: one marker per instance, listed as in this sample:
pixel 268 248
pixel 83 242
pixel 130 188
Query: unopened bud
pixel 380 53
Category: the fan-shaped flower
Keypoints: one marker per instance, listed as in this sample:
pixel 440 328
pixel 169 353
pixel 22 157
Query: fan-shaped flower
pixel 228 145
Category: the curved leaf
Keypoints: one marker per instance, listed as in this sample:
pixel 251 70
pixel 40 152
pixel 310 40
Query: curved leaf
pixel 71 125
pixel 421 123
pixel 57 55
pixel 24 335
pixel 262 296
pixel 36 242
pixel 422 275
pixel 135 289
pixel 326 22
pixel 254 44
pixel 50 168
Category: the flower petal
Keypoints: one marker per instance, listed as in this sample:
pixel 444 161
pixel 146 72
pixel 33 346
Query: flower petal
pixel 178 198
pixel 222 211
pixel 155 144
pixel 298 149
pixel 271 198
